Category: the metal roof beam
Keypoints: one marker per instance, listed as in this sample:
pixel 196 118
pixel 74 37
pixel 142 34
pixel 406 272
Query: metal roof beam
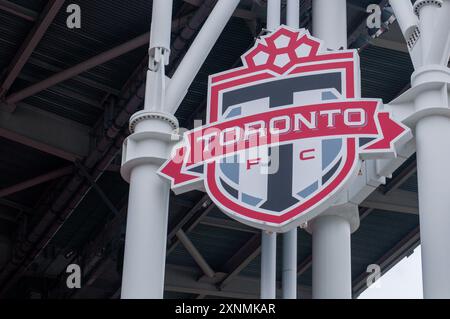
pixel 185 280
pixel 111 230
pixel 36 181
pixel 241 259
pixel 202 203
pixel 14 205
pixel 46 132
pixel 97 188
pixel 188 225
pixel 401 178
pixel 32 40
pixel 195 254
pixel 238 13
pixel 398 201
pixel 61 90
pixel 81 79
pixel 391 45
pixel 77 69
pixel 228 224
pixel 18 10
pixel 93 249
pixel 84 66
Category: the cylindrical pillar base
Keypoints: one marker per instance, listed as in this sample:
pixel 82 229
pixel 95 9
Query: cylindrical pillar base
pixel 433 157
pixel 331 258
pixel 289 276
pixel 146 233
pixel 268 265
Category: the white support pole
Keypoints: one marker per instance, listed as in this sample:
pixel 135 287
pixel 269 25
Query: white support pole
pixel 198 52
pixel 268 265
pixel 430 93
pixel 433 157
pixel 407 20
pixel 329 22
pixel 160 29
pixel 145 243
pixel 331 230
pixel 289 274
pixel 293 13
pixel 269 240
pixel 143 152
pixel 331 258
pixel 273 14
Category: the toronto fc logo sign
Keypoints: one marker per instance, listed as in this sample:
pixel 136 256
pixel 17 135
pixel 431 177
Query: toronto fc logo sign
pixel 285 133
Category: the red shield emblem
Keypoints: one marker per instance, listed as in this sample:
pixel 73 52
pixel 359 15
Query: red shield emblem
pixel 284 133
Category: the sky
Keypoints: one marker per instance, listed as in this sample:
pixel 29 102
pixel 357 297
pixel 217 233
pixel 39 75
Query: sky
pixel 403 281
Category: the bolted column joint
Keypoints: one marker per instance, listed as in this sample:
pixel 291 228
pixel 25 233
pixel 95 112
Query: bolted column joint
pixel 153 135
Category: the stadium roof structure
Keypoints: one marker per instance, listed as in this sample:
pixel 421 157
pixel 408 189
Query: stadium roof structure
pixel 67 95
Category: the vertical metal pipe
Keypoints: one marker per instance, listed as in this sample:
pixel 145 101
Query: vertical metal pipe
pixel 289 274
pixel 406 18
pixel 269 240
pixel 331 258
pixel 161 26
pixel 434 29
pixel 273 14
pixel 329 21
pixel 268 265
pixel 148 202
pixel 145 242
pixel 198 52
pixel 433 150
pixel 331 232
pixel 434 204
pixel 293 13
pixel 428 15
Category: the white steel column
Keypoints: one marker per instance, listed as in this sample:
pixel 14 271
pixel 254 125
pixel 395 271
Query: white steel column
pixel 269 240
pixel 143 152
pixel 293 13
pixel 427 109
pixel 198 52
pixel 331 258
pixel 289 273
pixel 407 20
pixel 331 230
pixel 329 22
pixel 433 158
pixel 145 244
pixel 268 265
pixel 273 14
